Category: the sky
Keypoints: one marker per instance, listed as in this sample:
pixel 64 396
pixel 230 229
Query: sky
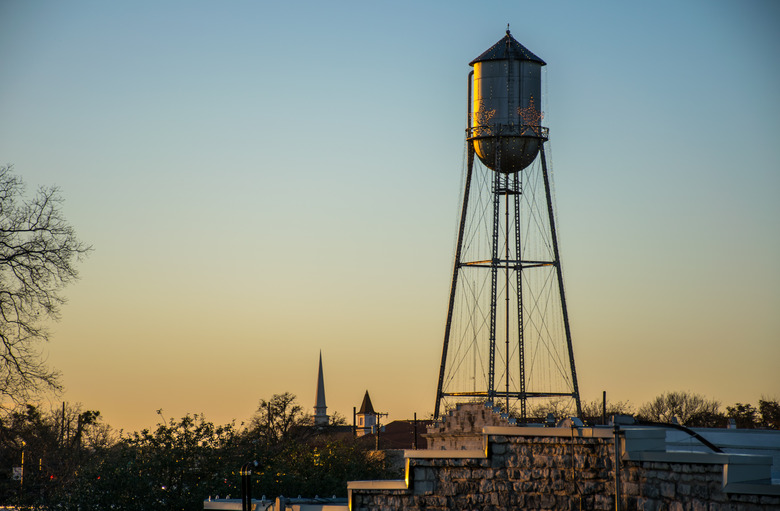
pixel 264 180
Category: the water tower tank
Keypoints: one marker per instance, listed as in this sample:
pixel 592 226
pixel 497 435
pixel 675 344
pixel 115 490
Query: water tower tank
pixel 506 106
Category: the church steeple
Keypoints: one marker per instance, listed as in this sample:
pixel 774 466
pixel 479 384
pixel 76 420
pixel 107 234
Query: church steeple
pixel 366 418
pixel 320 408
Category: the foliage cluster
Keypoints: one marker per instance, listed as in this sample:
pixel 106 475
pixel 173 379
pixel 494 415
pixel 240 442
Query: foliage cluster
pixel 766 416
pixel 687 408
pixel 73 462
pixel 694 410
pixel 591 411
pixel 69 458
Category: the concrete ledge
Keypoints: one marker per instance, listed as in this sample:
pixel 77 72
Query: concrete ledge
pixel 710 458
pixel 428 454
pixel 645 439
pixel 270 505
pixel 676 457
pixel 744 469
pixel 548 432
pixel 734 438
pixel 228 504
pixel 388 484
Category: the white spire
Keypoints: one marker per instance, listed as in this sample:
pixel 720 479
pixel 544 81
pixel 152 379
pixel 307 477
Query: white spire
pixel 320 408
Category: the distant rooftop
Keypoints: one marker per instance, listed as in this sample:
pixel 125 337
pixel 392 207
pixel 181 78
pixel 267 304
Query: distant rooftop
pixel 367 408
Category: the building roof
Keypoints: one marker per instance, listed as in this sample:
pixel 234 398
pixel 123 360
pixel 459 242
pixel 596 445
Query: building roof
pixel 401 435
pixel 508 49
pixel 367 408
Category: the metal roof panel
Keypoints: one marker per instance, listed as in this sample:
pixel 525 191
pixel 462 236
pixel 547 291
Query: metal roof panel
pixel 508 49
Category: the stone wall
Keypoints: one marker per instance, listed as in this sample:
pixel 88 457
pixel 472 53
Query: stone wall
pixel 560 472
pixel 461 428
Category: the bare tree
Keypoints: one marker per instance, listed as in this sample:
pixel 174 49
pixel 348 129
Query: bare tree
pixel 592 411
pixel 560 408
pixel 38 252
pixel 690 409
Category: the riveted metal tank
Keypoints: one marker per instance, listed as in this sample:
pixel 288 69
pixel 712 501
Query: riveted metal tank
pixel 505 118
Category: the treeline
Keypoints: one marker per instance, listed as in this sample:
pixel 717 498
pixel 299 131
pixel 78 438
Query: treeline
pixel 694 410
pixel 686 408
pixel 72 461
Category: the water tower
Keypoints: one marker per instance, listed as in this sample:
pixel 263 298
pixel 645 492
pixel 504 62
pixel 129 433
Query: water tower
pixel 507 337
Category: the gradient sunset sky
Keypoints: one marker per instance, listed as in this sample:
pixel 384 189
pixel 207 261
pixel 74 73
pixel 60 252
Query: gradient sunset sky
pixel 264 180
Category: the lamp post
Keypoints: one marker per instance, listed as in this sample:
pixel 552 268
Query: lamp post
pixel 21 479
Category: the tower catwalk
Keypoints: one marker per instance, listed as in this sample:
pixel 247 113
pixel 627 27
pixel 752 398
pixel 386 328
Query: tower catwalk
pixel 507 337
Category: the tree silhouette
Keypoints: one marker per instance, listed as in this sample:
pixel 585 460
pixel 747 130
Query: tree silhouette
pixel 38 252
pixel 688 408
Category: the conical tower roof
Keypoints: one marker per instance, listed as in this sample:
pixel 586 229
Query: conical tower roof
pixel 320 402
pixel 508 49
pixel 367 408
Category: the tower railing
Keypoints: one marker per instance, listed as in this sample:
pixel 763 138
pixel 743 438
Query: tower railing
pixel 508 130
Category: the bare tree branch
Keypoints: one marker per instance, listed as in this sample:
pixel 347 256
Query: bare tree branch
pixel 38 254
